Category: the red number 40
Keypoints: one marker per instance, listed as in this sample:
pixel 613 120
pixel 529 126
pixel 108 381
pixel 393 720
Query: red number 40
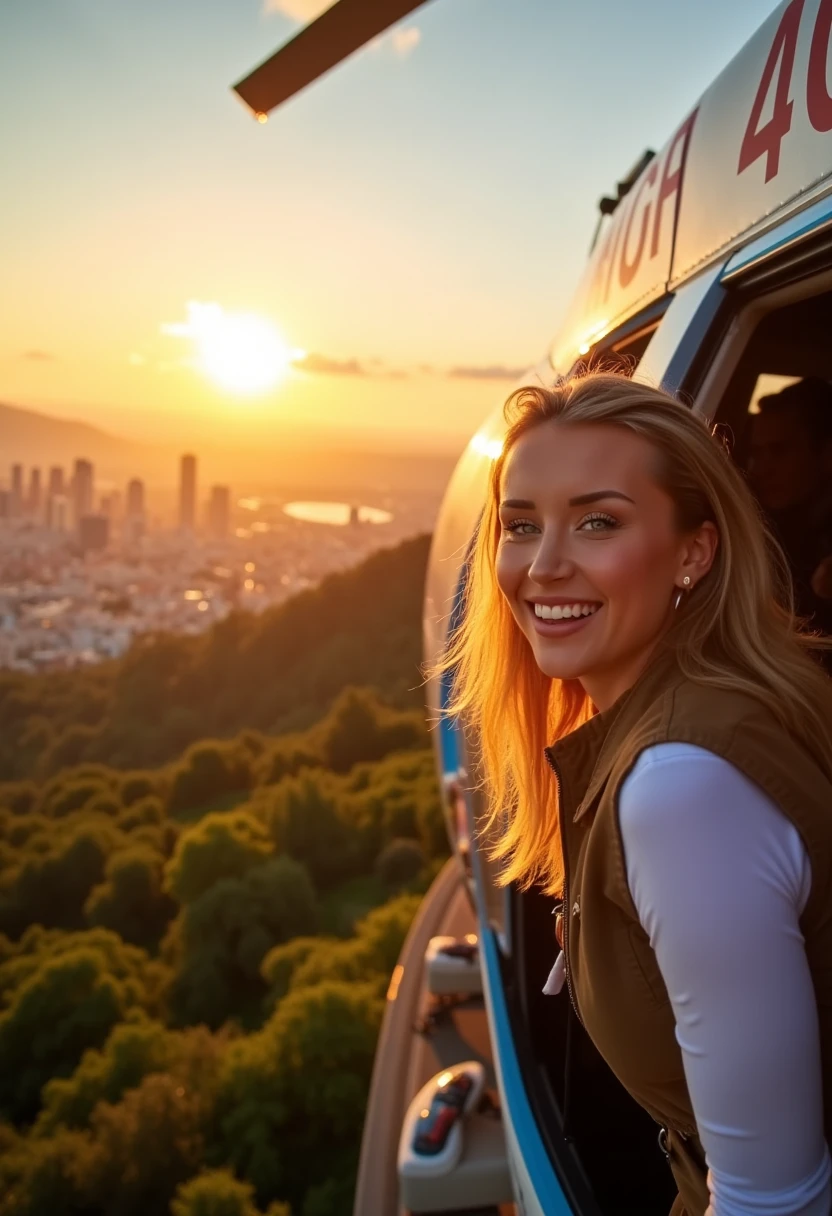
pixel 765 140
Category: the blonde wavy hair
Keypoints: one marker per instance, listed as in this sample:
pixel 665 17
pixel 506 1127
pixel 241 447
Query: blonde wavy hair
pixel 738 631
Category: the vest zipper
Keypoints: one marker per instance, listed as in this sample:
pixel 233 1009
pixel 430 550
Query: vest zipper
pixel 567 910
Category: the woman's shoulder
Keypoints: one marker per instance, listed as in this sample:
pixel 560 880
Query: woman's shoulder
pixel 689 711
pixel 739 727
pixel 716 707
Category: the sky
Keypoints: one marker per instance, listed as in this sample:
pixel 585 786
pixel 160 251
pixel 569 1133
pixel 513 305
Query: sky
pixel 405 233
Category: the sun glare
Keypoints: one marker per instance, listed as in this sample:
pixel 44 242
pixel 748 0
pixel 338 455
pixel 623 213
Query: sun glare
pixel 239 352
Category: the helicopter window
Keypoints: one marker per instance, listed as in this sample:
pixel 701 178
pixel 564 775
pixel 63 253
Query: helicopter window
pixel 623 348
pixel 777 411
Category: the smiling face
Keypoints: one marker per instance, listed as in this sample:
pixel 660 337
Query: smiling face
pixel 590 557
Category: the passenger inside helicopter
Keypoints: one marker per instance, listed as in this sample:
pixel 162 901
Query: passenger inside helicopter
pixel 790 470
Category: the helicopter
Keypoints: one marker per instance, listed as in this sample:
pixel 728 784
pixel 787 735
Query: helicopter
pixel 710 274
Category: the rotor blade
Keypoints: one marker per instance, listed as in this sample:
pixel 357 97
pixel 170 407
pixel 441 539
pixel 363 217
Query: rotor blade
pixel 337 33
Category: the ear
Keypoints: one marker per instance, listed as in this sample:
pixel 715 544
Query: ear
pixel 698 555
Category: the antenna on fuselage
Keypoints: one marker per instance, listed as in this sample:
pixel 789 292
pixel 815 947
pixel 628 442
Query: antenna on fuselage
pixel 340 31
pixel 609 203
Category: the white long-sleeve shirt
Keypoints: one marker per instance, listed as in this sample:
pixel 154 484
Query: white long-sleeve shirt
pixel 719 878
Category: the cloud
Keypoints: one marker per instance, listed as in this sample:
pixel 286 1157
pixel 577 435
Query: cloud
pixel 324 366
pixel 39 356
pixel 298 10
pixel 495 372
pixel 406 39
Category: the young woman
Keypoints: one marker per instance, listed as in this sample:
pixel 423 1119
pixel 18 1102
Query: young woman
pixel 626 608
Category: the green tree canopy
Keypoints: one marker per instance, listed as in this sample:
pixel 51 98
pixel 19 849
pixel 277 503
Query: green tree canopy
pixel 131 901
pixel 56 873
pixel 370 955
pixel 306 821
pixel 42 1177
pixel 218 847
pixel 292 1096
pixel 70 1003
pixel 147 811
pixel 136 786
pixel 218 942
pixel 18 796
pixel 219 1193
pixel 360 728
pixel 280 964
pixel 135 1049
pixel 399 862
pixel 207 771
pixel 144 1147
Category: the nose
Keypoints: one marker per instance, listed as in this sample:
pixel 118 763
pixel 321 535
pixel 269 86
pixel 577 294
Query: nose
pixel 550 563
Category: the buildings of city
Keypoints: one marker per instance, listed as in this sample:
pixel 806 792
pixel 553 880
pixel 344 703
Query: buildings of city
pixel 187 493
pixel 85 569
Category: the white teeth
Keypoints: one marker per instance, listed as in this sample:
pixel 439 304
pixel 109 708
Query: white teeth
pixel 565 612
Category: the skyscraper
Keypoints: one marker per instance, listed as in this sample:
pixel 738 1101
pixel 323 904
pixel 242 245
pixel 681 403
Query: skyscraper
pixel 82 490
pixel 56 481
pixel 34 502
pixel 187 493
pixel 134 514
pixel 135 497
pixel 17 489
pixel 219 511
pixel 58 513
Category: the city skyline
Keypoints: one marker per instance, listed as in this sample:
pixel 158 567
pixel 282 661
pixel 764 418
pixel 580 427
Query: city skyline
pixel 406 261
pixel 61 502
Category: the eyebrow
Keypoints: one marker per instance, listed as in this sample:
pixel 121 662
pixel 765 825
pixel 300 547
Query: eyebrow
pixel 580 500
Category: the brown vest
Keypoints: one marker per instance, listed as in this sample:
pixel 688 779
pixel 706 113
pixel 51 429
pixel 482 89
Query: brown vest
pixel 613 976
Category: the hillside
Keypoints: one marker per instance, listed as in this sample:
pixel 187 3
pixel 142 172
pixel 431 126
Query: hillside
pixel 275 672
pixel 182 948
pixel 209 860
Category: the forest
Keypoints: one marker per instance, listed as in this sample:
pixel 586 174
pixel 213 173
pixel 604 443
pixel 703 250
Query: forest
pixel 210 855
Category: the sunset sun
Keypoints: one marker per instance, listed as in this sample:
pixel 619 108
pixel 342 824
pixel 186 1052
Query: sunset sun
pixel 239 352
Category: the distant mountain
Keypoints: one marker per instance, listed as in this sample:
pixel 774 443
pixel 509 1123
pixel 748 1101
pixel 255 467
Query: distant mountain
pixel 330 463
pixel 29 437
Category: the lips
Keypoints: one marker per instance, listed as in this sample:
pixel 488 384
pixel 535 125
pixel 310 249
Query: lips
pixel 555 618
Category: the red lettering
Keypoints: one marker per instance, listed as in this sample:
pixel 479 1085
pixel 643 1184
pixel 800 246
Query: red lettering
pixel 602 274
pixel 818 101
pixel 766 140
pixel 628 268
pixel 615 236
pixel 671 182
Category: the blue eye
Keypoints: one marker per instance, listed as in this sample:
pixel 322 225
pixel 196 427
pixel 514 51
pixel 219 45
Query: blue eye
pixel 517 526
pixel 598 521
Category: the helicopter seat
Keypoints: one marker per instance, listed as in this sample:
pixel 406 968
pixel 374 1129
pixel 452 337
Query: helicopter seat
pixel 452 966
